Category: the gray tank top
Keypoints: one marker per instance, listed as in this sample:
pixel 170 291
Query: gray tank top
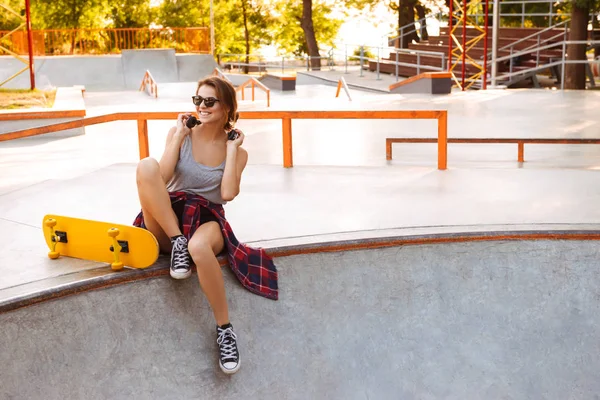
pixel 193 177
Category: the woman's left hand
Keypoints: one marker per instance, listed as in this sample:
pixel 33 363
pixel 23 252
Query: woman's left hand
pixel 237 142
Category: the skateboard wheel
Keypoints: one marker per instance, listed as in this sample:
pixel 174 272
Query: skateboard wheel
pixel 53 254
pixel 116 266
pixel 50 222
pixel 113 232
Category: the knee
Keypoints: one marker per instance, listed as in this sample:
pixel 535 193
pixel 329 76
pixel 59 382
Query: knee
pixel 147 169
pixel 199 250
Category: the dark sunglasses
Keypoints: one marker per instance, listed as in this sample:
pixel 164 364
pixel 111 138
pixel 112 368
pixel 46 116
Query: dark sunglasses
pixel 208 101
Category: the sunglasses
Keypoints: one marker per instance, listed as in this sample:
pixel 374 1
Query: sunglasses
pixel 208 101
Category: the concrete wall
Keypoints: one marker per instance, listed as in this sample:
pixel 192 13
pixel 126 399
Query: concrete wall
pixel 95 72
pixel 193 67
pixel 108 72
pixel 160 62
pixel 480 320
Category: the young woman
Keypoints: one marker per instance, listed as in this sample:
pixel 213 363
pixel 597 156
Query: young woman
pixel 182 198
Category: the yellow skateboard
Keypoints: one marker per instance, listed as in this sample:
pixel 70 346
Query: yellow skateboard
pixel 118 245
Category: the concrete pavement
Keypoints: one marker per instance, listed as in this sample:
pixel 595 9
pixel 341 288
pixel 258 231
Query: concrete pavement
pixel 341 188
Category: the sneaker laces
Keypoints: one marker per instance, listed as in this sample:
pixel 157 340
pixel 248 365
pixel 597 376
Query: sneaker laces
pixel 180 259
pixel 226 341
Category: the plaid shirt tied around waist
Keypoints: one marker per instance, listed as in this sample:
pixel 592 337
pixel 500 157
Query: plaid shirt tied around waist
pixel 252 266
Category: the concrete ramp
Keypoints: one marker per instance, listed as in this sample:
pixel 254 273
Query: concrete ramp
pixel 160 62
pixel 468 320
pixel 426 82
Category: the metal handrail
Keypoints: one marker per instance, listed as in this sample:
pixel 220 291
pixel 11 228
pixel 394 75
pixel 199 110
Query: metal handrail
pixel 523 52
pixel 563 61
pixel 254 82
pixel 148 80
pixel 342 84
pixel 533 35
pixel 419 21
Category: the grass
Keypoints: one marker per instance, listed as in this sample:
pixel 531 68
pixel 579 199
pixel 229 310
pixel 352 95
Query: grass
pixel 26 98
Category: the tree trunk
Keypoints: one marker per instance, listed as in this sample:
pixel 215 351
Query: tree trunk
pixel 75 15
pixel 246 36
pixel 421 15
pixel 309 35
pixel 596 36
pixel 575 73
pixel 406 20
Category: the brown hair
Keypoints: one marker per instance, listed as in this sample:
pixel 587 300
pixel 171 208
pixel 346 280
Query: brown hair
pixel 226 95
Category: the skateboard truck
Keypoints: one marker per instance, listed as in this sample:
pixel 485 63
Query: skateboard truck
pixel 118 246
pixel 56 237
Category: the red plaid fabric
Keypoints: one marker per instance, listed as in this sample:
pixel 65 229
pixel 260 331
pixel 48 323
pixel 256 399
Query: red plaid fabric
pixel 252 266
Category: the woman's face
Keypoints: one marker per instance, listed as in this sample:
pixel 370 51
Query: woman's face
pixel 214 114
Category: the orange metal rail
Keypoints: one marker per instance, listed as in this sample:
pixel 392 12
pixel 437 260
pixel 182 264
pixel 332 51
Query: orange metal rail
pixel 109 41
pixel 285 116
pixel 255 82
pixel 520 143
pixel 148 81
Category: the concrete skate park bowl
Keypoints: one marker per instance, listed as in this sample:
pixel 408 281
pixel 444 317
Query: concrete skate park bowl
pixel 479 314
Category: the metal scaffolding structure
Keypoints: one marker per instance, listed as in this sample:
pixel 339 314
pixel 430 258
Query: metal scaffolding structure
pixel 24 23
pixel 459 22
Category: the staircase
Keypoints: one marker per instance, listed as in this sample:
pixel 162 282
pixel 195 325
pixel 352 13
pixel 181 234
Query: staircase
pixel 509 38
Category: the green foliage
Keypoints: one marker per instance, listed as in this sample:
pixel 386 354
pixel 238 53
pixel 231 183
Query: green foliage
pixel 61 14
pixel 228 18
pixel 288 34
pixel 132 13
pixel 184 13
pixel 591 4
pixel 8 21
pixel 270 22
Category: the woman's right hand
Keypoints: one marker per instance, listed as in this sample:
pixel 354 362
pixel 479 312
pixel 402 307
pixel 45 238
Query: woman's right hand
pixel 182 129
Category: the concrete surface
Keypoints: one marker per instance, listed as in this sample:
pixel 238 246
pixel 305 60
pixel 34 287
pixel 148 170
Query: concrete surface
pixel 108 72
pixel 466 320
pixel 66 99
pixel 500 320
pixel 192 67
pixel 340 180
pixel 94 72
pixel 160 62
pixel 368 81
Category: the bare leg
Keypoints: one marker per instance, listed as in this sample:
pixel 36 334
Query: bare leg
pixel 154 199
pixel 204 245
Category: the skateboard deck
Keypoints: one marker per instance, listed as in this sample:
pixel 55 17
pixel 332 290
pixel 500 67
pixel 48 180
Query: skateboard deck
pixel 97 241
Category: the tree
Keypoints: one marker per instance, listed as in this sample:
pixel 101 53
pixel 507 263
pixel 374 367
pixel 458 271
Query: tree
pixel 575 75
pixel 406 16
pixel 132 13
pixel 406 11
pixel 256 20
pixel 9 21
pixel 71 14
pixel 68 14
pixel 289 34
pixel 309 35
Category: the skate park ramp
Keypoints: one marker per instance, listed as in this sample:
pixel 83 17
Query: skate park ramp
pixel 161 62
pixel 110 72
pixel 490 319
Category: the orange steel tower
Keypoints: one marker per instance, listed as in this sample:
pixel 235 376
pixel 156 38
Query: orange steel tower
pixel 25 22
pixel 459 45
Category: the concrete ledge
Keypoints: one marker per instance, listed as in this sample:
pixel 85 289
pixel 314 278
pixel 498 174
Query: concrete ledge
pixel 277 81
pixel 68 106
pixel 427 82
pixel 307 78
pixel 72 284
